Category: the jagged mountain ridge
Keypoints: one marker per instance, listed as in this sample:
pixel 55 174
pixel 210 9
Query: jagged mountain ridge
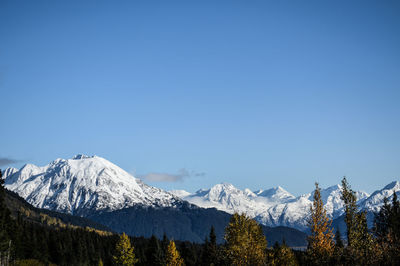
pixel 83 185
pixel 277 207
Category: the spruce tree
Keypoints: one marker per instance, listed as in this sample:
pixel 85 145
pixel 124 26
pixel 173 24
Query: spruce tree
pixel 338 239
pixel 154 254
pixel 320 241
pixel 245 241
pixel 124 252
pixel 172 257
pixel 360 244
pixel 350 210
pixel 387 230
pixel 6 225
pixel 210 250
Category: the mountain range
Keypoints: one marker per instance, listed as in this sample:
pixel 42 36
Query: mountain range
pixel 93 187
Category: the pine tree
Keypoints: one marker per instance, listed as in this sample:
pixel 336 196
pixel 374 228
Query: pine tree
pixel 6 225
pixel 172 257
pixel 320 242
pixel 210 251
pixel 154 254
pixel 350 210
pixel 387 230
pixel 338 239
pixel 246 243
pixel 124 252
pixel 360 244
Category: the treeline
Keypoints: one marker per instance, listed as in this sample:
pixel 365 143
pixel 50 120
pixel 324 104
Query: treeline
pixel 24 242
pixel 361 245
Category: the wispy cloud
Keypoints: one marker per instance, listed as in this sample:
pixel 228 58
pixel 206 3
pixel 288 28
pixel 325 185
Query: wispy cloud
pixel 166 177
pixel 7 161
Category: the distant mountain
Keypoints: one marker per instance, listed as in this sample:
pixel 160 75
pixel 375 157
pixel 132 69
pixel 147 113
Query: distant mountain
pixel 271 207
pixel 92 187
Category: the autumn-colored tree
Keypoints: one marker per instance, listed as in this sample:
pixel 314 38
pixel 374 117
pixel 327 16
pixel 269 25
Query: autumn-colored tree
pixel 320 241
pixel 124 252
pixel 282 255
pixel 246 243
pixel 172 257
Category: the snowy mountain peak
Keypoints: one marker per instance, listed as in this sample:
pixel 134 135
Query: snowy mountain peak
pixel 84 184
pixel 374 202
pixel 9 171
pixel 395 185
pixel 180 193
pixel 82 156
pixel 274 192
pixel 249 193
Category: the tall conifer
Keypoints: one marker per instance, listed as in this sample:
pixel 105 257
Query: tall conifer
pixel 320 242
pixel 124 252
pixel 246 243
pixel 172 256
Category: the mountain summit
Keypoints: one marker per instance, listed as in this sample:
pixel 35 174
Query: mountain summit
pixel 82 185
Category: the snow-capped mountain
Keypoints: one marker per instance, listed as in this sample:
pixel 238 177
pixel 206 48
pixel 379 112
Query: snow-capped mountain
pixel 374 202
pixel 272 207
pixel 82 185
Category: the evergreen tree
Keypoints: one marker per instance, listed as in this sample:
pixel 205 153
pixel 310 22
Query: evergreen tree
pixel 387 230
pixel 338 239
pixel 245 241
pixel 360 244
pixel 6 226
pixel 124 252
pixel 172 257
pixel 210 251
pixel 154 254
pixel 350 210
pixel 320 242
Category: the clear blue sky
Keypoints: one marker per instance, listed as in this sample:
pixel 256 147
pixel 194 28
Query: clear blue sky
pixel 255 93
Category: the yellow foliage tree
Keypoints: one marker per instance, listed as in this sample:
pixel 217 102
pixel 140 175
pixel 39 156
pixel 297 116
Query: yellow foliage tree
pixel 320 242
pixel 124 252
pixel 246 243
pixel 282 256
pixel 172 257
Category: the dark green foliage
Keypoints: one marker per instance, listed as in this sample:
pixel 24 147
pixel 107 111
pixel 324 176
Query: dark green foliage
pixel 338 239
pixel 387 230
pixel 210 252
pixel 154 254
pixel 186 223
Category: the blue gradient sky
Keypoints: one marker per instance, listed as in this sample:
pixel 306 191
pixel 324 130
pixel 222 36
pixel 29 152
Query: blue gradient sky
pixel 255 93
